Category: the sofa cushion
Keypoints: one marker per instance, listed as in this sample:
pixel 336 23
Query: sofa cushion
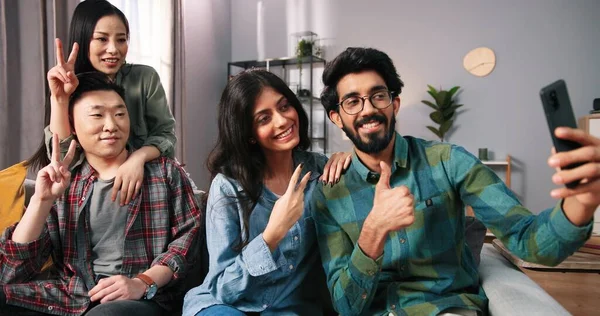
pixel 15 193
pixel 12 195
pixel 475 236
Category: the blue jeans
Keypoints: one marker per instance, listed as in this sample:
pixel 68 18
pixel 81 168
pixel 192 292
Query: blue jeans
pixel 217 310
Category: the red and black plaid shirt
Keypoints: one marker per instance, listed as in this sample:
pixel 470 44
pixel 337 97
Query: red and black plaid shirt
pixel 162 223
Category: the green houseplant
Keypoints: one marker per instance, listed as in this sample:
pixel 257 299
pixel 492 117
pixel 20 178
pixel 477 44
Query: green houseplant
pixel 304 48
pixel 444 109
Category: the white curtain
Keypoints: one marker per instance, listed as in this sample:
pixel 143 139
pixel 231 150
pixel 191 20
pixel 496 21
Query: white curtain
pixel 151 24
pixel 156 40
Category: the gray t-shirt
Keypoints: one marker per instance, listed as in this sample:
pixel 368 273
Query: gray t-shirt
pixel 107 229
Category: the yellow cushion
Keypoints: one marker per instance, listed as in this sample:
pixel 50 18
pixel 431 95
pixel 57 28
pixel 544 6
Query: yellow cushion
pixel 12 198
pixel 12 194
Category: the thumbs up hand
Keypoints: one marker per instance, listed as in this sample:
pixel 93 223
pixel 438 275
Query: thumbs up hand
pixel 393 208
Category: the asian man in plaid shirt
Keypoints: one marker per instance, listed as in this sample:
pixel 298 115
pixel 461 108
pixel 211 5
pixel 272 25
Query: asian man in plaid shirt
pixel 110 258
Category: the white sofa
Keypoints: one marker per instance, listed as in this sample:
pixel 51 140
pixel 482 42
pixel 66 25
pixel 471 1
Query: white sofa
pixel 510 291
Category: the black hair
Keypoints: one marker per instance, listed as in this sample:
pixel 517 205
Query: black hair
pixel 356 60
pixel 85 17
pixel 93 81
pixel 234 155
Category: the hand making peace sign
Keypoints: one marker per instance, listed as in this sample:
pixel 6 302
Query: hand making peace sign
pixel 61 78
pixel 287 210
pixel 53 179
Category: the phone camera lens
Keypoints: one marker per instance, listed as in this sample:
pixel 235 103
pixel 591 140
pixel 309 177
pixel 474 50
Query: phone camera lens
pixel 553 99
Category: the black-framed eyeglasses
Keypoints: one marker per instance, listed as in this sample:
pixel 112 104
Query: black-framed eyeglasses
pixel 381 99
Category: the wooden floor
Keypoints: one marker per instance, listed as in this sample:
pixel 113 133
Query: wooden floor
pixel 579 293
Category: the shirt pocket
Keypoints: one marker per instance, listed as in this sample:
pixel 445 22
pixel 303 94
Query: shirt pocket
pixel 434 228
pixel 430 216
pixel 431 203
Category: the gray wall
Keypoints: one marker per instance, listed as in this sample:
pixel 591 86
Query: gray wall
pixel 536 42
pixel 208 49
pixel 243 44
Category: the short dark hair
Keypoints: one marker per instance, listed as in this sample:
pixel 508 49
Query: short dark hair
pixel 355 60
pixel 233 155
pixel 84 20
pixel 94 81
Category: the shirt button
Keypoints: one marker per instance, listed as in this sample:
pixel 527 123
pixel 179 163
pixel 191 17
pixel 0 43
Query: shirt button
pixel 291 267
pixel 50 308
pixel 82 199
pixel 265 306
pixel 402 240
pixel 295 237
pixel 393 306
pixel 364 296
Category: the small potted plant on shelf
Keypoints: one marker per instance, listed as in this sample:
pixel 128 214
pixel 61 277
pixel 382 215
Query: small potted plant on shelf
pixel 303 49
pixel 444 110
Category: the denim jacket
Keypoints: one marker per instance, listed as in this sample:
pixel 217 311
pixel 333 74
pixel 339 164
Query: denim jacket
pixel 254 279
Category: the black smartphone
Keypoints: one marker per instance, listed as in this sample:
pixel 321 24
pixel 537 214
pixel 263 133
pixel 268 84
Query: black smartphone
pixel 559 112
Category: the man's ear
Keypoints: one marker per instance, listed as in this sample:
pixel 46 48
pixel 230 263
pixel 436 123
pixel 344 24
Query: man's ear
pixel 396 104
pixel 335 117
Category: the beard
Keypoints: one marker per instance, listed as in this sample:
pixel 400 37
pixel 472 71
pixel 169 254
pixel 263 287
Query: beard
pixel 375 143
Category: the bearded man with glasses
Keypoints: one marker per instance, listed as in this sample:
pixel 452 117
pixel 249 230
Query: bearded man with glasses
pixel 391 232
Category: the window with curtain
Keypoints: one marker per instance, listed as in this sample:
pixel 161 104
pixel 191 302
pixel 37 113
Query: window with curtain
pixel 151 26
pixel 156 39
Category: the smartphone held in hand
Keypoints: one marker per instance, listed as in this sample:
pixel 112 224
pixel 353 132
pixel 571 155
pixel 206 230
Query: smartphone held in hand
pixel 559 112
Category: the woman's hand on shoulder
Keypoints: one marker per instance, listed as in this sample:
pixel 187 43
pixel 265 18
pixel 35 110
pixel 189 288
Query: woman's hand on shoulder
pixel 337 163
pixel 61 78
pixel 129 180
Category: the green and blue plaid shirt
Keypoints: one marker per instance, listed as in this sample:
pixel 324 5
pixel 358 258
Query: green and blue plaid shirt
pixel 427 267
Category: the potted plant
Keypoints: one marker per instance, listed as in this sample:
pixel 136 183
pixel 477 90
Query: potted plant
pixel 304 48
pixel 444 110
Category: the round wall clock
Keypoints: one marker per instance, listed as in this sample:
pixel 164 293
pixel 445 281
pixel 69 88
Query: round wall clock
pixel 480 61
